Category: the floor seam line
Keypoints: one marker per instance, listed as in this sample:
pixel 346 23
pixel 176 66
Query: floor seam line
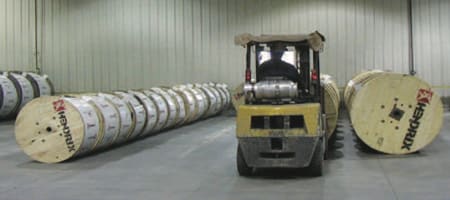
pixel 388 179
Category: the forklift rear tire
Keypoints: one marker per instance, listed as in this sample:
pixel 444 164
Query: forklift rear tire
pixel 315 168
pixel 242 167
pixel 327 148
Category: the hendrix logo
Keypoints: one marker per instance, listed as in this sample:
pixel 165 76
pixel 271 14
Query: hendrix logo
pixel 424 96
pixel 60 108
pixel 59 105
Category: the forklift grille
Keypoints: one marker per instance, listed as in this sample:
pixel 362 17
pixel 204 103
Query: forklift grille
pixel 277 122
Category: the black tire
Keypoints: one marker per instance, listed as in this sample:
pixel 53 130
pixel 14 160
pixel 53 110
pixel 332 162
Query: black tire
pixel 327 148
pixel 315 167
pixel 242 167
pixel 332 140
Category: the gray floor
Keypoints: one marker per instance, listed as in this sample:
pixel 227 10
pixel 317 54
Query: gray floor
pixel 198 162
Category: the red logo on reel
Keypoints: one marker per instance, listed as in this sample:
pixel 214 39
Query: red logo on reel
pixel 59 105
pixel 424 96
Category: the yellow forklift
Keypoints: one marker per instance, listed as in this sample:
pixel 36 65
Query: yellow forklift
pixel 282 122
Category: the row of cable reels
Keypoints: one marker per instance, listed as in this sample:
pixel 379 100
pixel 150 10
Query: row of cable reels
pixel 19 88
pixel 54 129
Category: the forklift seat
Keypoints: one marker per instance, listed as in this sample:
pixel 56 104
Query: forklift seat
pixel 277 68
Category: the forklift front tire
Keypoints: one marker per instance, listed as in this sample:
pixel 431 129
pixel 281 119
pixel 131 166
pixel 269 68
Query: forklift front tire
pixel 315 168
pixel 242 167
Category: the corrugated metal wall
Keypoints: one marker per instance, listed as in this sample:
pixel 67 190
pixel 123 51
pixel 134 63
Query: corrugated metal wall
pixel 432 42
pixel 88 45
pixel 17 38
pixel 117 44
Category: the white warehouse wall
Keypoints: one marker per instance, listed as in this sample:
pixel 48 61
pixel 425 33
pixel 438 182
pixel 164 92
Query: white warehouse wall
pixel 17 38
pixel 89 45
pixel 93 45
pixel 432 42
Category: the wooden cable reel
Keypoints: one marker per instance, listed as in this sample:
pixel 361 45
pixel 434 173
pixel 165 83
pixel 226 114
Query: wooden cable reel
pixel 356 83
pixel 109 120
pixel 226 92
pixel 152 116
pixel 9 98
pixel 200 98
pixel 190 103
pixel 125 120
pixel 394 113
pixel 172 106
pixel 220 103
pixel 138 114
pixel 161 109
pixel 211 100
pixel 180 106
pixel 42 85
pixel 24 89
pixel 54 129
pixel 332 101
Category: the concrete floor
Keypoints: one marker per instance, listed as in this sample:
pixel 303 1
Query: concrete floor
pixel 198 162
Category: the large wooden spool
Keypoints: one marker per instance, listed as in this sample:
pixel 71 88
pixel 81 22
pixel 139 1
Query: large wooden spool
pixel 181 110
pixel 54 129
pixel 9 98
pixel 356 82
pixel 220 102
pixel 109 120
pixel 125 120
pixel 190 103
pixel 152 117
pixel 213 98
pixel 172 106
pixel 224 93
pixel 200 98
pixel 24 89
pixel 226 90
pixel 19 89
pixel 331 100
pixel 138 114
pixel 394 113
pixel 161 109
pixel 42 86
